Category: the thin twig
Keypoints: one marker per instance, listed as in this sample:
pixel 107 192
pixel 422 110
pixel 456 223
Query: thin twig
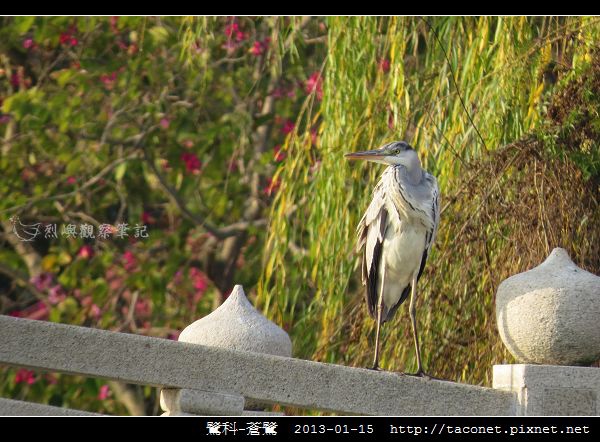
pixel 86 185
pixel 22 280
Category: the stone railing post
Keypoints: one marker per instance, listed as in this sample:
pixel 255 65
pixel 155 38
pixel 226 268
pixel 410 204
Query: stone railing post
pixel 235 325
pixel 549 315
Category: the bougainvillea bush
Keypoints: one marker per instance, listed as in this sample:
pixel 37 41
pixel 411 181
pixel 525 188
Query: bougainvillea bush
pixel 139 162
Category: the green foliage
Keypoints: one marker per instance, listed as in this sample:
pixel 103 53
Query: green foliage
pixel 158 121
pixel 456 88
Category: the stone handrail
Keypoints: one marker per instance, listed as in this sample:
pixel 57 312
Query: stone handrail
pixel 235 361
pixel 257 377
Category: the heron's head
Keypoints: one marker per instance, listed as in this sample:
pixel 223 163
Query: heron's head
pixel 397 152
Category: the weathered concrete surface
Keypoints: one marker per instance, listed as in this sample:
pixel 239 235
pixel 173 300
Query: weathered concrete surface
pixel 262 413
pixel 11 407
pixel 265 378
pixel 237 325
pixel 201 402
pixel 551 390
pixel 549 314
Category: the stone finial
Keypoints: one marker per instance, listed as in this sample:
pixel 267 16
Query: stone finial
pixel 237 325
pixel 549 314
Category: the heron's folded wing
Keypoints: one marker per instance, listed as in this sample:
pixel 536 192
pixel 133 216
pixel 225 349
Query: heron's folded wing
pixel 435 214
pixel 373 233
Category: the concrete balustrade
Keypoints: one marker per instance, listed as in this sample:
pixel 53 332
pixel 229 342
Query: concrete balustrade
pixel 259 377
pixel 236 362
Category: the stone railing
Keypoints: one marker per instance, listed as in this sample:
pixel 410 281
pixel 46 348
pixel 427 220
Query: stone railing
pixel 200 379
pixel 236 362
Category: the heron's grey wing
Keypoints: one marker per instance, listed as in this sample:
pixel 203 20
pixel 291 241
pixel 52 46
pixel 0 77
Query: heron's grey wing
pixel 435 214
pixel 371 232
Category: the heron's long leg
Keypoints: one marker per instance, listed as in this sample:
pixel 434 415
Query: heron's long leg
pixel 413 319
pixel 379 313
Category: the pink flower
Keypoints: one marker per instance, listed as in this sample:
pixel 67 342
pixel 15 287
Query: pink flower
pixel 104 392
pixel 109 79
pixel 314 84
pixel 164 123
pixel 64 38
pixel 199 280
pixel 71 180
pixel 15 80
pixel 43 281
pixel 231 28
pixel 192 163
pixel 86 251
pixel 25 376
pixel 95 311
pixel 56 294
pixel 130 261
pixel 233 31
pixel 257 48
pixel 384 65
pixel 147 217
pixel 173 336
pixel 38 311
pixel 260 47
pixel 272 186
pixel 288 127
pixel 279 155
pixel 143 308
pixel 28 43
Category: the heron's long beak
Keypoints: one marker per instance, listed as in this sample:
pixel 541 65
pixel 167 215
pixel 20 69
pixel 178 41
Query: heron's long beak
pixel 366 155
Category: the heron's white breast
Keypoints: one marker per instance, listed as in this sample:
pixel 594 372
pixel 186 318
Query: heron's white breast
pixel 403 250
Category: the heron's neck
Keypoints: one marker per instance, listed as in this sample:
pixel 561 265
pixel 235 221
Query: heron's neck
pixel 414 172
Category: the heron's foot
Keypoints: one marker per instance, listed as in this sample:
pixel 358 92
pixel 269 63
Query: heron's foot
pixel 375 368
pixel 422 374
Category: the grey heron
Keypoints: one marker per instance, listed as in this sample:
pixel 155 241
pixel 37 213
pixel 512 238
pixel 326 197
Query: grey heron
pixel 396 233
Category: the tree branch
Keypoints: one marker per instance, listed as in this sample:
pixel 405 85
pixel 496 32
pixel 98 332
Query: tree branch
pixel 219 232
pixel 87 184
